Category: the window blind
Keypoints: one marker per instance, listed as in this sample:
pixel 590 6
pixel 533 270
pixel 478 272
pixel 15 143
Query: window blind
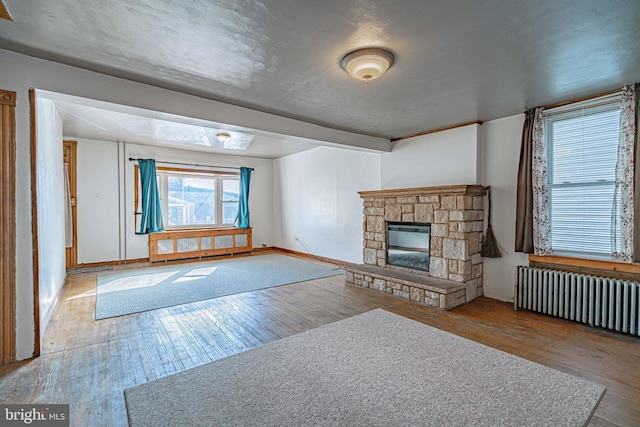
pixel 582 146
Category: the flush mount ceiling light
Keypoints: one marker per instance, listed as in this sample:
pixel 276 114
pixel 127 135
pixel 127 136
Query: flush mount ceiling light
pixel 368 63
pixel 229 140
pixel 223 136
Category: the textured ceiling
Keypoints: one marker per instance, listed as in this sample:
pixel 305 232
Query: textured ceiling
pixel 457 61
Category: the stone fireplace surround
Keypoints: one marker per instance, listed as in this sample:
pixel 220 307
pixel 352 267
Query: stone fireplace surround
pixel 455 270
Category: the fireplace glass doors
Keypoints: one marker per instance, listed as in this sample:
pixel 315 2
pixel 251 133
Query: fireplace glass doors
pixel 408 245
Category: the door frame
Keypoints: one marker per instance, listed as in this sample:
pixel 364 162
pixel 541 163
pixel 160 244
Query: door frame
pixel 8 226
pixel 34 221
pixel 69 149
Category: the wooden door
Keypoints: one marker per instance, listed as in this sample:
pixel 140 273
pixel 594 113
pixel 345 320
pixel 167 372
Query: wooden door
pixel 69 154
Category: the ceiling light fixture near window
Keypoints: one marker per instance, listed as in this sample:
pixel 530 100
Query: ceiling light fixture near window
pixel 223 136
pixel 228 140
pixel 368 63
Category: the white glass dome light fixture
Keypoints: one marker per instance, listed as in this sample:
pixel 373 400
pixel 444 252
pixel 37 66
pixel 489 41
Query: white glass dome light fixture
pixel 368 63
pixel 229 140
pixel 223 136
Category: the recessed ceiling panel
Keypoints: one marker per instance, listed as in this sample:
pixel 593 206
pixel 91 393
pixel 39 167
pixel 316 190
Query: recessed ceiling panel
pixel 90 119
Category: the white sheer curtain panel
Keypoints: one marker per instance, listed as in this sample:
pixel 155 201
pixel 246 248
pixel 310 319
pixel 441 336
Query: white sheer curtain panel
pixel 541 217
pixel 622 213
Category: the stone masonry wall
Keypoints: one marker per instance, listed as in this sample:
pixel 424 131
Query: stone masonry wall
pixel 456 233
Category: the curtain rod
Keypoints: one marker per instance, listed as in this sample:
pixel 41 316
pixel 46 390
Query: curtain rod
pixel 131 159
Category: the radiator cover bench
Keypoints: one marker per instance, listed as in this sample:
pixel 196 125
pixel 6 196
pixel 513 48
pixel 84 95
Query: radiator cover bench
pixel 197 243
pixel 425 290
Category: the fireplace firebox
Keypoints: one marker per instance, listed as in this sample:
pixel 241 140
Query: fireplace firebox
pixel 408 245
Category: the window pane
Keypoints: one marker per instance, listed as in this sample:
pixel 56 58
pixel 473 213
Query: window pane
pixel 230 190
pixel 582 152
pixel 192 200
pixel 230 197
pixel 584 148
pixel 581 218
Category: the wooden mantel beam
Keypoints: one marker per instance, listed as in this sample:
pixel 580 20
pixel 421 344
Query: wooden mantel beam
pixel 452 190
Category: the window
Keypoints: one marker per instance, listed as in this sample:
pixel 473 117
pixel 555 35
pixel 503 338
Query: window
pixel 582 150
pixel 197 198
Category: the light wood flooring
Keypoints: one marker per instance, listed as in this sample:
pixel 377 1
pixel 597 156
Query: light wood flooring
pixel 88 363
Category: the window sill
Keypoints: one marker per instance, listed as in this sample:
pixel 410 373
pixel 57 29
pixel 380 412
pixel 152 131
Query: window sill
pixel 584 263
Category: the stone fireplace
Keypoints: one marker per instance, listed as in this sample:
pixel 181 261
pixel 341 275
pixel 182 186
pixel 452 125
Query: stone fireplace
pixel 423 244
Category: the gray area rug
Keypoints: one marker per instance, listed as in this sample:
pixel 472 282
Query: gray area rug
pixel 374 369
pixel 133 291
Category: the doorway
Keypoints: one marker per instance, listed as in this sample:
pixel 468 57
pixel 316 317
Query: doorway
pixel 69 153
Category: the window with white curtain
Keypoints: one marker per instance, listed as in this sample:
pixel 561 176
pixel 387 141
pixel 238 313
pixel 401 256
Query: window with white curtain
pixel 582 149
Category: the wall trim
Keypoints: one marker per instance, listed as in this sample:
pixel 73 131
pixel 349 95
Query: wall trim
pixel 105 263
pixel 310 256
pixel 4 12
pixel 34 220
pixel 46 317
pixel 428 132
pixel 8 226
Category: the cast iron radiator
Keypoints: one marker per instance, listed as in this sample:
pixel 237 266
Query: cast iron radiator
pixel 596 301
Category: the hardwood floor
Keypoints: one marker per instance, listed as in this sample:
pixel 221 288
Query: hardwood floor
pixel 88 363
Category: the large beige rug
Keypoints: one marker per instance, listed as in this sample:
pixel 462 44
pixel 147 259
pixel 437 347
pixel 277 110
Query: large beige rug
pixel 374 369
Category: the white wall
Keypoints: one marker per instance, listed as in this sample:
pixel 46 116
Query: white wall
pixel 317 201
pixel 316 196
pixel 500 154
pixel 97 201
pixel 17 79
pixel 485 154
pixel 441 158
pixel 50 197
